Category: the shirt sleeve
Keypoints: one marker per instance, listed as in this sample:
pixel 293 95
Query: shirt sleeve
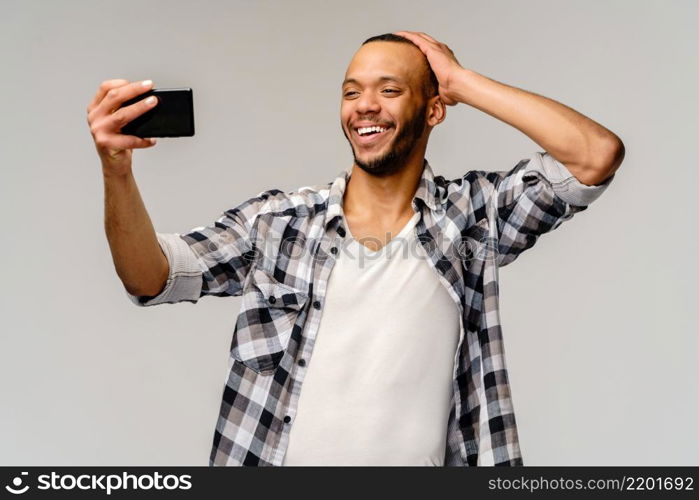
pixel 207 260
pixel 533 198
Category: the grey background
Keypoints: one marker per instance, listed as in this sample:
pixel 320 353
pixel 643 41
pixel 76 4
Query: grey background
pixel 598 317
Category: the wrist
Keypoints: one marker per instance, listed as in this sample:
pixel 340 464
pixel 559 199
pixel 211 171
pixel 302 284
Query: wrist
pixel 460 85
pixel 111 172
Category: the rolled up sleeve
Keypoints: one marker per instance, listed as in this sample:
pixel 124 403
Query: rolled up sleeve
pixel 564 183
pixel 184 281
pixel 535 197
pixel 210 260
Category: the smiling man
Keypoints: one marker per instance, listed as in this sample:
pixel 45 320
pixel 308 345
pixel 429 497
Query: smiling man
pixel 406 85
pixel 348 349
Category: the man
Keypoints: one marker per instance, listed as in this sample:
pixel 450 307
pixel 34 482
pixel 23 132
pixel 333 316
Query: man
pixel 398 361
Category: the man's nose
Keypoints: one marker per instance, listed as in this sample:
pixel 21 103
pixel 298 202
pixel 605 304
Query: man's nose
pixel 368 103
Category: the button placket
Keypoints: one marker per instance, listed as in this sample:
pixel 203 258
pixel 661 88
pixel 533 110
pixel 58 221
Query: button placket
pixel 321 272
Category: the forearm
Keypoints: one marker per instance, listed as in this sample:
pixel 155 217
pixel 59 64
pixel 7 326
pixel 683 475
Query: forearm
pixel 138 259
pixel 586 148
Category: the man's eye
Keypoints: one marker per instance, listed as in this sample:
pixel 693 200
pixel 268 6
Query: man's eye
pixel 390 90
pixel 348 93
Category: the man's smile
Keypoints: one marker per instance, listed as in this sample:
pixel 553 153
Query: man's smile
pixel 369 136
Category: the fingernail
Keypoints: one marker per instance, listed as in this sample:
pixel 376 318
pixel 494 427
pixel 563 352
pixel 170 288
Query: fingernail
pixel 151 100
pixel 152 141
pixel 146 83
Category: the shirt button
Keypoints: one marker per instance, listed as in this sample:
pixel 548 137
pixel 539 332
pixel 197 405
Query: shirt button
pixel 334 250
pixel 302 362
pixel 272 299
pixel 287 419
pixel 316 304
pixel 341 231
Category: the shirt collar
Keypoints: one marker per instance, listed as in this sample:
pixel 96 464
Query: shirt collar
pixel 426 191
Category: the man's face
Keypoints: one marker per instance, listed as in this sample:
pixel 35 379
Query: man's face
pixel 383 87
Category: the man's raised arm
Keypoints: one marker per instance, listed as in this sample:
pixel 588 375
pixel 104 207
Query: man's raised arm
pixel 587 149
pixel 138 258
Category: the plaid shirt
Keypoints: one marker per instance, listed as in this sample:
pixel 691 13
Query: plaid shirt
pixel 277 251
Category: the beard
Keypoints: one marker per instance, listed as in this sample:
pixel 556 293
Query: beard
pixel 399 150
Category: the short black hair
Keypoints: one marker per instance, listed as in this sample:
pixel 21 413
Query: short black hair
pixel 430 86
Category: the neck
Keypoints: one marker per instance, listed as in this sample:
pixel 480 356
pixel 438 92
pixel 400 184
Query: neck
pixel 387 198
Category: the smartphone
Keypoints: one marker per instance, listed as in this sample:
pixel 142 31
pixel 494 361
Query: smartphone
pixel 172 116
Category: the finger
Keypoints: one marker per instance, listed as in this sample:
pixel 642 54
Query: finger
pixel 425 35
pixel 120 142
pixel 124 115
pixel 115 97
pixel 104 87
pixel 422 42
pixel 414 35
pixel 410 35
pixel 405 34
pixel 428 40
pixel 417 40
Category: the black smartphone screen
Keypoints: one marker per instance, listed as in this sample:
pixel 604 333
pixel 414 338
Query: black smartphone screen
pixel 173 116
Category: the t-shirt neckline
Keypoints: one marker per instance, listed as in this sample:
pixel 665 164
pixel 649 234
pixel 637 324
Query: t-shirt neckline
pixel 401 235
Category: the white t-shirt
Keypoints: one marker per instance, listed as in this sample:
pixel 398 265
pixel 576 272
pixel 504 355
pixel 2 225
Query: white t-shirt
pixel 378 386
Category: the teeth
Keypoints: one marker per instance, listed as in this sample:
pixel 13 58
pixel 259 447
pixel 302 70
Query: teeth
pixel 366 130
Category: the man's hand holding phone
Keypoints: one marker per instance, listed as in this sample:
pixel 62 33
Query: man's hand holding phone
pixel 106 119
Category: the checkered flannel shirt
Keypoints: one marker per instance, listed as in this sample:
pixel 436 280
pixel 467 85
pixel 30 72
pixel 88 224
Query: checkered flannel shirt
pixel 277 251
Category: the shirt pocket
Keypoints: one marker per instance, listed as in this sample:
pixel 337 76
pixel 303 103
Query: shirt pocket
pixel 269 311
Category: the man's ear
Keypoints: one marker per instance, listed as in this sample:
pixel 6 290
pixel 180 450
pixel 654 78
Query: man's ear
pixel 436 111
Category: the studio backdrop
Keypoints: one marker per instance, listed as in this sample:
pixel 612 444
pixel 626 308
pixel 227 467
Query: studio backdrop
pixel 598 317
